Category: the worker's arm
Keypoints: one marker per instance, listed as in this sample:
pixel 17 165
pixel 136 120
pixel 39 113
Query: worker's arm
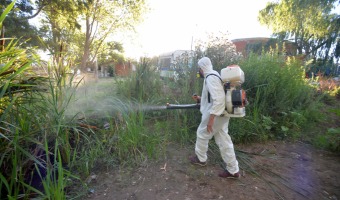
pixel 217 95
pixel 211 123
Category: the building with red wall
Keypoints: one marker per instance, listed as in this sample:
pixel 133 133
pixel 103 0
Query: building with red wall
pixel 244 45
pixel 124 69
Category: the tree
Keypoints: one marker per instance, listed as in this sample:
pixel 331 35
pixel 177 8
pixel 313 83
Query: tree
pixel 310 24
pixel 219 49
pixel 17 25
pixel 60 24
pixel 103 18
pixel 68 25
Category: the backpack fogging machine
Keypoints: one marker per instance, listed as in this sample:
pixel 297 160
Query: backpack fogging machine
pixel 232 78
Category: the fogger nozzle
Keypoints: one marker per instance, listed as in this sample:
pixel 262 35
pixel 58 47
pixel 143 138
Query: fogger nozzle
pixel 182 106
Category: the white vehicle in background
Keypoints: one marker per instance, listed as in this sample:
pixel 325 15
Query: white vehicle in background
pixel 172 63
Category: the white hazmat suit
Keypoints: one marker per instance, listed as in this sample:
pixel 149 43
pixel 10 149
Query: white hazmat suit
pixel 213 85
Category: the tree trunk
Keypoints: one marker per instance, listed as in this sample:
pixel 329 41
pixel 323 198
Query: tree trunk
pixel 86 46
pixel 96 70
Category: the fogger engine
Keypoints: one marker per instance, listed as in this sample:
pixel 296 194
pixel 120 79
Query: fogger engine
pixel 232 77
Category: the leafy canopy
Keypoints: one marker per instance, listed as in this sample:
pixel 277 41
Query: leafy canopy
pixel 309 23
pixel 17 23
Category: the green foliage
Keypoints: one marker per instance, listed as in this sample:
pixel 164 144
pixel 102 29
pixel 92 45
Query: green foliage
pixel 15 78
pixel 135 141
pixel 6 10
pixel 183 125
pixel 35 137
pixel 278 96
pixel 126 137
pixel 37 144
pixel 247 130
pixel 329 140
pixel 59 24
pixel 219 49
pixel 16 23
pixel 111 51
pixel 274 84
pixel 111 70
pixel 105 18
pixel 144 84
pixel 319 67
pixel 310 24
pixel 333 91
pixel 336 111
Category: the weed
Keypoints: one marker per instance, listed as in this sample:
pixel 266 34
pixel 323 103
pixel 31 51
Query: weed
pixel 329 140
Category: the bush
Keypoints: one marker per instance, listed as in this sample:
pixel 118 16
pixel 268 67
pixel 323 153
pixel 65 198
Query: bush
pixel 278 96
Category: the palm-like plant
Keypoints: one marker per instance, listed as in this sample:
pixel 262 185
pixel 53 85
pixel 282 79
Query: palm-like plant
pixel 18 129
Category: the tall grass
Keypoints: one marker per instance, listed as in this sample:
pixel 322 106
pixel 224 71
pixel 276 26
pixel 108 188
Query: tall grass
pixel 16 85
pixel 280 98
pixel 38 145
pixel 35 134
pixel 184 122
pixel 142 85
pixel 145 87
pixel 121 119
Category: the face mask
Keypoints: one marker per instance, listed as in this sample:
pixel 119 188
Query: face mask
pixel 199 74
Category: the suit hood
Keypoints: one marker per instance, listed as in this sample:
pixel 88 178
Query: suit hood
pixel 205 64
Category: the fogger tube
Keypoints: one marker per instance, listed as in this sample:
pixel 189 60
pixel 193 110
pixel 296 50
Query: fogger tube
pixel 182 106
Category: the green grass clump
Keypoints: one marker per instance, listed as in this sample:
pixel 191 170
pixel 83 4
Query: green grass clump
pixel 142 85
pixel 278 95
pixel 329 140
pixel 35 134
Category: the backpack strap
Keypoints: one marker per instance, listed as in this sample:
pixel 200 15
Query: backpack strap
pixel 208 91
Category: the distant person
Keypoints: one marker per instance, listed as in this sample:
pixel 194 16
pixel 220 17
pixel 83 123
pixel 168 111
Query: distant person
pixel 212 123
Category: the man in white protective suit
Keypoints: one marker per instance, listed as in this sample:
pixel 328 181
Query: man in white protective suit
pixel 212 123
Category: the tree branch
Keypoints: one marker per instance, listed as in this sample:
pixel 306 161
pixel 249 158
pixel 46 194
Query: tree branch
pixel 38 11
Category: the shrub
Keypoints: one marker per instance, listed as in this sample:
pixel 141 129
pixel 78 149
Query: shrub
pixel 278 95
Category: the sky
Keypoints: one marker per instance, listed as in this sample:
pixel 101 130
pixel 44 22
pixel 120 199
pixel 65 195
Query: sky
pixel 173 24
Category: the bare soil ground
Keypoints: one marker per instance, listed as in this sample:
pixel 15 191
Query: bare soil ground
pixel 278 170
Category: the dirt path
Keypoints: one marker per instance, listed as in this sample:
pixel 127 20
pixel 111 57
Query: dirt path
pixel 286 171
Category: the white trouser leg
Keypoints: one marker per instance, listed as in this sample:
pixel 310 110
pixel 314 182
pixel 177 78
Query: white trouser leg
pixel 202 139
pixel 225 145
